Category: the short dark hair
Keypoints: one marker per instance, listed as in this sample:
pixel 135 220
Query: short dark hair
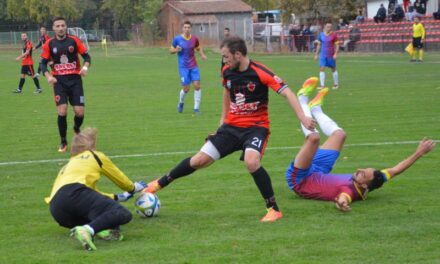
pixel 57 19
pixel 226 28
pixel 42 26
pixel 235 44
pixel 377 182
pixel 187 22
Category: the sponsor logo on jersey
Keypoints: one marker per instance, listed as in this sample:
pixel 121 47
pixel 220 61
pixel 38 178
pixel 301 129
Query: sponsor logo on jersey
pixel 71 49
pixel 228 84
pixel 240 107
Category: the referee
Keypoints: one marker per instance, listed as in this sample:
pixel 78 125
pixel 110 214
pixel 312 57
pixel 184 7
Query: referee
pixel 418 40
pixel 76 203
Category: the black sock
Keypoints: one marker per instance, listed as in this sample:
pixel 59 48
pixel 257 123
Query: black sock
pixel 184 168
pixel 78 120
pixel 62 128
pixel 20 85
pixel 37 83
pixel 262 180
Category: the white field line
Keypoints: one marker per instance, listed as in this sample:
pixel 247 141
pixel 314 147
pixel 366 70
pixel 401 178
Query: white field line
pixel 9 163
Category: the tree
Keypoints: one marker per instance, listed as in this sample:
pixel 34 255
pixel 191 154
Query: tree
pixel 263 5
pixel 318 9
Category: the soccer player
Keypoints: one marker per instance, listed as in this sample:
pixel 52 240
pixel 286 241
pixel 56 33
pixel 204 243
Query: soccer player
pixel 184 45
pixel 27 65
pixel 418 39
pixel 62 51
pixel 43 38
pixel 226 34
pixel 244 124
pixel 76 203
pixel 327 48
pixel 309 175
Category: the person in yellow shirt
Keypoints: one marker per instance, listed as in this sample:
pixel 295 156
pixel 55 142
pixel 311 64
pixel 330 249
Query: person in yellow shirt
pixel 75 201
pixel 418 40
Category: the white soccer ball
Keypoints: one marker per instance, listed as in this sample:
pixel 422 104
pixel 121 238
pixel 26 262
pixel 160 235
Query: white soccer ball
pixel 147 205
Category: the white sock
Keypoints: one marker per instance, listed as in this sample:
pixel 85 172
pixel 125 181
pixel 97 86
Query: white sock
pixel 328 126
pixel 182 96
pixel 197 98
pixel 90 229
pixel 335 78
pixel 304 102
pixel 322 78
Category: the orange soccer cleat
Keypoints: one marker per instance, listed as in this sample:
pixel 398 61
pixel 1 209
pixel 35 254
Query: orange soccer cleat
pixel 272 215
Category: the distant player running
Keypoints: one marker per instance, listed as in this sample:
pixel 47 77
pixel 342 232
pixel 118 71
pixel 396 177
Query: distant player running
pixel 327 48
pixel 27 65
pixel 62 51
pixel 184 45
pixel 309 175
pixel 75 201
pixel 244 124
pixel 43 38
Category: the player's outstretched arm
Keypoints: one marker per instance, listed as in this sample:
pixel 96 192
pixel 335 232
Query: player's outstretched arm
pixel 174 50
pixel 342 202
pixel 308 122
pixel 226 103
pixel 424 147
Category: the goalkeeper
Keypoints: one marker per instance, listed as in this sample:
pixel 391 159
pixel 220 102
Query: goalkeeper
pixel 76 203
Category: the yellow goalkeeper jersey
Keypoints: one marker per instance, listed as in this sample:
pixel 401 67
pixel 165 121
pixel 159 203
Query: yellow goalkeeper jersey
pixel 86 168
pixel 418 31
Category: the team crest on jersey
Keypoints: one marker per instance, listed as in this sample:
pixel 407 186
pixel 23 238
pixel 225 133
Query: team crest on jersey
pixel 55 50
pixel 278 79
pixel 71 49
pixel 228 84
pixel 251 86
pixel 64 59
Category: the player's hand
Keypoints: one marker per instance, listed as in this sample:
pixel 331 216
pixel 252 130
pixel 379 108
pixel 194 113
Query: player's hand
pixel 342 204
pixel 309 123
pixel 139 186
pixel 51 80
pixel 178 48
pixel 316 57
pixel 425 146
pixel 203 57
pixel 84 71
pixel 335 56
pixel 17 59
pixel 123 197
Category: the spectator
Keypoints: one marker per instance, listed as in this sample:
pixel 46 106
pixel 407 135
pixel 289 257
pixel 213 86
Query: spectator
pixel 436 15
pixel 406 4
pixel 420 7
pixel 398 14
pixel 360 18
pixel 342 24
pixel 309 38
pixel 391 5
pixel 354 36
pixel 291 37
pixel 381 14
pixel 411 13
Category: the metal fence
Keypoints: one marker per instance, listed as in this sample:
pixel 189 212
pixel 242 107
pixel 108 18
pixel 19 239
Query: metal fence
pixel 93 35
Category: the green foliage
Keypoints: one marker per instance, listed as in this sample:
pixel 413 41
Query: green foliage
pixel 213 215
pixel 263 5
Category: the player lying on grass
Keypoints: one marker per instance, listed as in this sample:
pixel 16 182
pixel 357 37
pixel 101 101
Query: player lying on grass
pixel 75 202
pixel 309 174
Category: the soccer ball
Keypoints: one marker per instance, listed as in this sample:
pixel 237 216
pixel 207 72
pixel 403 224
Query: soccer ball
pixel 147 205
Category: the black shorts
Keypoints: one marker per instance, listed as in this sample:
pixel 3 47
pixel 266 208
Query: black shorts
pixel 229 139
pixel 28 70
pixel 417 43
pixel 76 204
pixel 69 88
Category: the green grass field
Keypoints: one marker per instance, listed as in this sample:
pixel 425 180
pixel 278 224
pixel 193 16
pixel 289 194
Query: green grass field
pixel 384 103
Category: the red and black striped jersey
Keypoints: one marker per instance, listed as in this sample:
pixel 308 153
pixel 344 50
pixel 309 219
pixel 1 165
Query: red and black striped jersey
pixel 249 94
pixel 64 54
pixel 27 60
